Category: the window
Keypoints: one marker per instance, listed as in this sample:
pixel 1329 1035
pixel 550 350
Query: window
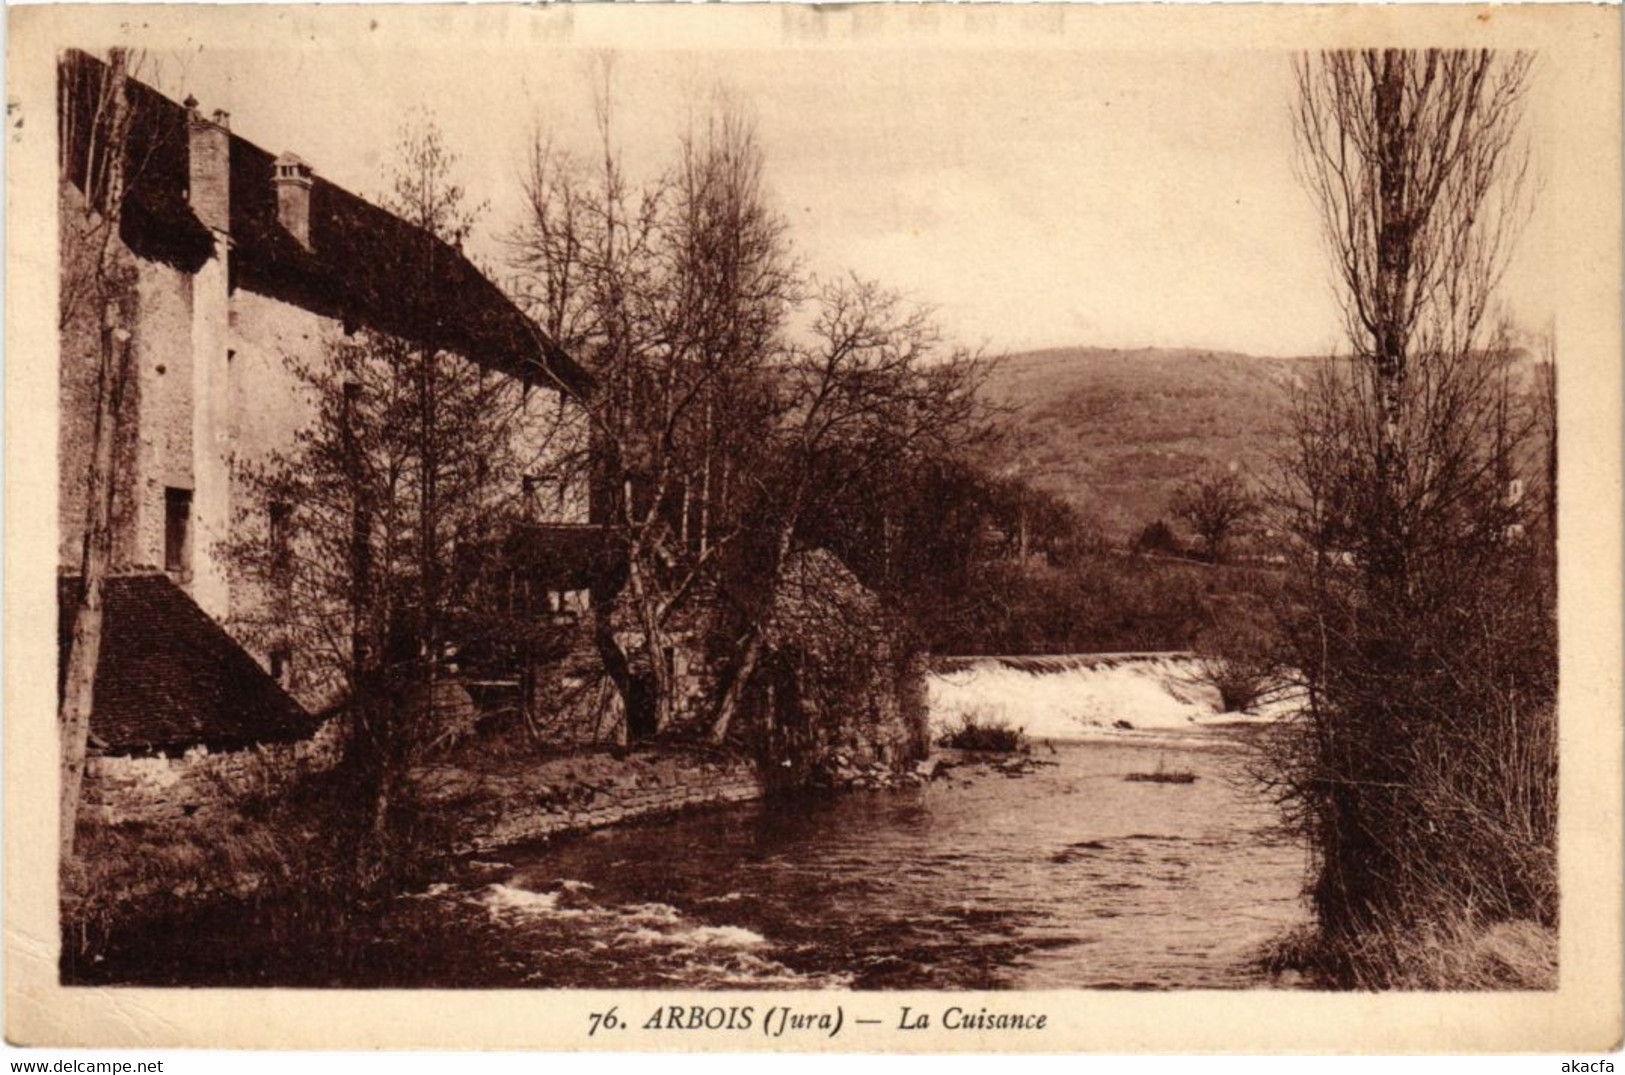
pixel 541 496
pixel 282 665
pixel 281 536
pixel 177 530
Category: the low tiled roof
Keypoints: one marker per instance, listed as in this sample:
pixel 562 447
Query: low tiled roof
pixel 364 266
pixel 170 678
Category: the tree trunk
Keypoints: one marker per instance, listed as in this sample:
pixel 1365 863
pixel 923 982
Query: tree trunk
pixel 1395 237
pixel 728 704
pixel 612 656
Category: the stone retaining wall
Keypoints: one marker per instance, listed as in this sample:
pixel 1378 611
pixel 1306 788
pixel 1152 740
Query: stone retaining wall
pixel 583 792
pixel 199 783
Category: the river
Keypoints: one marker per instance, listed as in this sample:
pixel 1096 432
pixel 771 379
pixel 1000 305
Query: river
pixel 1069 876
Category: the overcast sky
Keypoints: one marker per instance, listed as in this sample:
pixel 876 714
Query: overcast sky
pixel 1035 198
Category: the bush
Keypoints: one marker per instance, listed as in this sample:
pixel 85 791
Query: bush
pixel 1422 617
pixel 1240 662
pixel 1158 537
pixel 975 732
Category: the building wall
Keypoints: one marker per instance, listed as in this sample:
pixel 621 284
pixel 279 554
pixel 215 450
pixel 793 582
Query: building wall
pixel 213 393
pixel 268 403
pixel 164 423
pixel 77 365
pixel 154 445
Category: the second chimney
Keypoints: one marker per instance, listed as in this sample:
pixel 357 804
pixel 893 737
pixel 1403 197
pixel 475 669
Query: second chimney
pixel 209 168
pixel 292 178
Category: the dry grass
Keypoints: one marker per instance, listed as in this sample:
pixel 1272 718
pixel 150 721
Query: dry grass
pixel 1457 956
pixel 291 850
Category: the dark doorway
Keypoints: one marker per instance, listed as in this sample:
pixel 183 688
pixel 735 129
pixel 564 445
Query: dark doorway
pixel 640 708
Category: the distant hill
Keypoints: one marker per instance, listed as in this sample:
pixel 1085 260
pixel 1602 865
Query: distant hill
pixel 1116 431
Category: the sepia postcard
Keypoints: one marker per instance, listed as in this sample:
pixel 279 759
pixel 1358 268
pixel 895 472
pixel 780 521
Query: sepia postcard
pixel 861 528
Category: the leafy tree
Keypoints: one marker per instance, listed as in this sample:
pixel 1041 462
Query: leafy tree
pixel 1158 537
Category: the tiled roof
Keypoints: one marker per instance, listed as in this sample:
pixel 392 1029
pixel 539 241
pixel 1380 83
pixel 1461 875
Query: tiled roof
pixel 170 678
pixel 365 265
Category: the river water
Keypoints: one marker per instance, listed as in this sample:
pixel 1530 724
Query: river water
pixel 1068 876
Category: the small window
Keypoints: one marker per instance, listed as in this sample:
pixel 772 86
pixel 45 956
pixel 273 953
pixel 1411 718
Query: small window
pixel 281 536
pixel 282 665
pixel 177 530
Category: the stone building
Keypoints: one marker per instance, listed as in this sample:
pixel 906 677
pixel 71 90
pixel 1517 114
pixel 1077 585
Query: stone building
pixel 240 263
pixel 839 688
pixel 237 261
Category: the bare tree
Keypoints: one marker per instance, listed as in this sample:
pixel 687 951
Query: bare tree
pixel 1545 401
pixel 95 119
pixel 1416 164
pixel 1214 502
pixel 1423 770
pixel 371 543
pixel 674 295
pixel 875 391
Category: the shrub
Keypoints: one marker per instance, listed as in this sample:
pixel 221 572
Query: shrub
pixel 1240 662
pixel 979 732
pixel 1158 537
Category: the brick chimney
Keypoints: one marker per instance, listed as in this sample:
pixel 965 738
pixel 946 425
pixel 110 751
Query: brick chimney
pixel 292 178
pixel 209 167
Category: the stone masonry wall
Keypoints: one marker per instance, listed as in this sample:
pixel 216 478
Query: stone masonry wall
pixel 199 783
pixel 154 447
pixel 581 792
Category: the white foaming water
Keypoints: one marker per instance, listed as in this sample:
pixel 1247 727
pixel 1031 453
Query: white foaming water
pixel 1079 696
pixel 660 913
pixel 651 923
pixel 720 936
pixel 499 898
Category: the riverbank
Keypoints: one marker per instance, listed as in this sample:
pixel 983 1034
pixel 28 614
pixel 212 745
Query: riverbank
pixel 1062 874
pixel 522 800
pixel 142 862
pixel 484 799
